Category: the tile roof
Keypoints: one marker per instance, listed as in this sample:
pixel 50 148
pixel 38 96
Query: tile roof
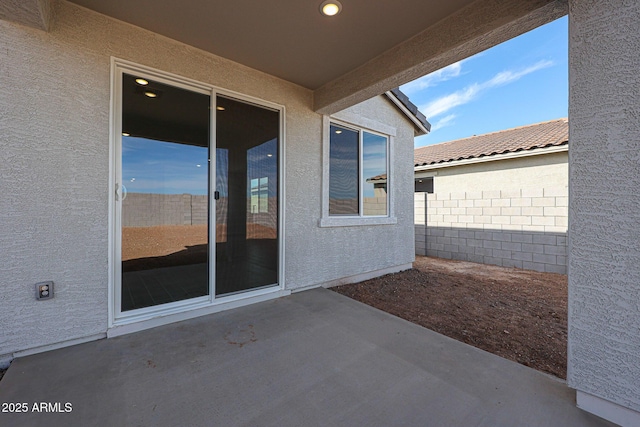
pixel 378 178
pixel 531 137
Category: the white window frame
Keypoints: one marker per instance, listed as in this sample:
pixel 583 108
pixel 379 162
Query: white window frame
pixel 360 124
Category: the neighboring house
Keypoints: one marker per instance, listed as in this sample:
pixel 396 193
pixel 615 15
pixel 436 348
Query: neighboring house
pixel 282 77
pixel 499 198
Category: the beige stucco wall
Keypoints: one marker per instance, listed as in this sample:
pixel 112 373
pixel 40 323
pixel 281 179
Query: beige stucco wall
pixel 509 212
pixel 54 209
pixel 320 254
pixel 604 204
pixel 511 174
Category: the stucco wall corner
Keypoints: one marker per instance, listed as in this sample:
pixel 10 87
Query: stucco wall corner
pixel 604 213
pixel 37 14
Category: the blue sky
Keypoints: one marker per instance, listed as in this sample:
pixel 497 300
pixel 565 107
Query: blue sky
pixel 519 82
pixel 150 166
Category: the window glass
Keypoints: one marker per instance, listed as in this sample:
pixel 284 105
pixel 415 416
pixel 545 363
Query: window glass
pixel 343 171
pixel 165 193
pixel 260 195
pixel 374 169
pixel 247 210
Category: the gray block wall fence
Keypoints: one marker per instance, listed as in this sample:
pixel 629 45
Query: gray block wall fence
pixel 512 228
pixel 371 205
pixel 152 209
pixel 149 210
pixel 420 222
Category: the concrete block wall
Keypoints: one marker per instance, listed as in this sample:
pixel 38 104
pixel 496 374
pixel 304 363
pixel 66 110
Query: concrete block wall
pixel 375 205
pixel 148 210
pixel 513 228
pixel 266 219
pixel 339 206
pixel 371 205
pixel 199 209
pixel 420 222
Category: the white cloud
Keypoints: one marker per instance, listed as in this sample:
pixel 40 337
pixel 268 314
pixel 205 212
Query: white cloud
pixel 444 122
pixel 442 75
pixel 506 77
pixel 445 103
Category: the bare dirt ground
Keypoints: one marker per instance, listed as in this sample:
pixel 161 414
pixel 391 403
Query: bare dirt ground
pixel 170 245
pixel 163 240
pixel 517 314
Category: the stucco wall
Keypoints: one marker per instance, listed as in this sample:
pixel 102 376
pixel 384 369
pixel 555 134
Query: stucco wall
pixel 511 213
pixel 347 251
pixel 604 200
pixel 54 116
pixel 511 174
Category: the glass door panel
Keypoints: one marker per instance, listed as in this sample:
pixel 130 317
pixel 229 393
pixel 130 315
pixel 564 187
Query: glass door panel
pixel 164 193
pixel 247 186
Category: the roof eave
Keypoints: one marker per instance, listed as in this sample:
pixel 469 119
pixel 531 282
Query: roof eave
pixel 423 127
pixel 495 157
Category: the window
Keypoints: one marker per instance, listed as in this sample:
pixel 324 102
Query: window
pixel 358 172
pixel 260 195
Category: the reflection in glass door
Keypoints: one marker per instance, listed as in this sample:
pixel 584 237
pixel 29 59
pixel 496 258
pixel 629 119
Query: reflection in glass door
pixel 247 189
pixel 164 194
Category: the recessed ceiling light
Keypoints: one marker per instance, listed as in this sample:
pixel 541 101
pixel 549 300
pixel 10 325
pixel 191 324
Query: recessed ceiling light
pixel 338 131
pixel 126 134
pixel 142 82
pixel 269 155
pixel 330 7
pixel 219 108
pixel 150 94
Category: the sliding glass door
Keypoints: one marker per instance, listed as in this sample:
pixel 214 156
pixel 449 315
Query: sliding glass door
pixel 197 195
pixel 165 193
pixel 247 187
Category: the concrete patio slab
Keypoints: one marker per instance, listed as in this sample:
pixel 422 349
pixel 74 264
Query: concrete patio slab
pixel 313 358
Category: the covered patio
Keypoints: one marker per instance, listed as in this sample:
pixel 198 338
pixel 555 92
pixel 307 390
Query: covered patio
pixel 63 65
pixel 313 358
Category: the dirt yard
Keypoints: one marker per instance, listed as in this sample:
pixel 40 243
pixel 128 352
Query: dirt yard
pixel 163 240
pixel 170 245
pixel 517 314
